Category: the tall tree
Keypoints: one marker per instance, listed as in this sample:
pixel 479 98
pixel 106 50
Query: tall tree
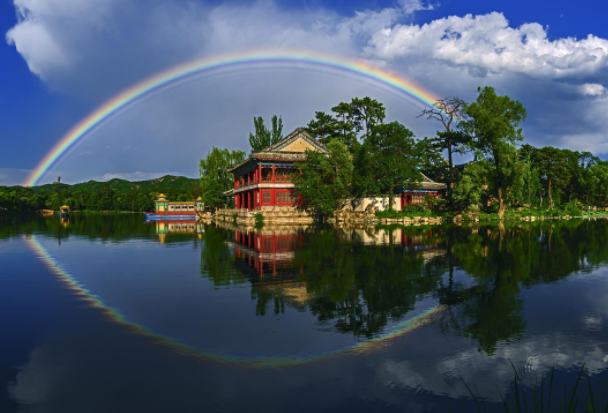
pixel 367 113
pixel 448 111
pixel 323 127
pixel 389 157
pixel 263 136
pixel 346 125
pixel 493 123
pixel 324 179
pixel 215 178
pixel 553 169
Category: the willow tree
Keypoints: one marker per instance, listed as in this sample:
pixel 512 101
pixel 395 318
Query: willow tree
pixel 494 125
pixel 263 136
pixel 215 179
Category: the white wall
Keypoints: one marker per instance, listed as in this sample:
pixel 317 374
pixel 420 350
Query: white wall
pixel 359 204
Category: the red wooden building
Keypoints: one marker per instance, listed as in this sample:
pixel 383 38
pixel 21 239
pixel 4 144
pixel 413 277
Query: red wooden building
pixel 264 180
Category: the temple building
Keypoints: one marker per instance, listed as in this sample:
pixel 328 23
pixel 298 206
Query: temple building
pixel 418 196
pixel 263 181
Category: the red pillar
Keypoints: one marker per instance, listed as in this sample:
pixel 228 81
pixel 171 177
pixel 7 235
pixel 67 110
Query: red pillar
pixel 249 200
pixel 273 176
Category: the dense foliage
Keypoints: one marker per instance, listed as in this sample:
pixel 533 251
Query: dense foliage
pixel 115 195
pixel 325 179
pixel 215 179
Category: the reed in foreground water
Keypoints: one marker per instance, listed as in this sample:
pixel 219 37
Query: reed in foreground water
pixel 542 398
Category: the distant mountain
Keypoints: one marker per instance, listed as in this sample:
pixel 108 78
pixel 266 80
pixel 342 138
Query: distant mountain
pixel 165 183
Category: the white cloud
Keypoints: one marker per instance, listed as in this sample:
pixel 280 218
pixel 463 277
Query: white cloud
pixel 593 89
pixel 487 42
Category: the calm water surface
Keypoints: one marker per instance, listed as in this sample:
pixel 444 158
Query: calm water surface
pixel 111 314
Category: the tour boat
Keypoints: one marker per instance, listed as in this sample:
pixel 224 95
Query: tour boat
pixel 174 210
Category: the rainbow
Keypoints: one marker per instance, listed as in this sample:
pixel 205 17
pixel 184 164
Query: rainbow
pixel 221 65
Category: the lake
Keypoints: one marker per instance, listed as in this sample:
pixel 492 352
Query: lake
pixel 106 313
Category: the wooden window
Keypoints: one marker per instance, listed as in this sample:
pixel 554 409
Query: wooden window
pixel 266 197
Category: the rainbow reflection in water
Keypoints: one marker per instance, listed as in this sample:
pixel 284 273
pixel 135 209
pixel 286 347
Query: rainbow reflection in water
pixel 178 347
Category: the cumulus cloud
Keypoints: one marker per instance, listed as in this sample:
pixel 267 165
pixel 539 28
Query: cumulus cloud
pixel 487 42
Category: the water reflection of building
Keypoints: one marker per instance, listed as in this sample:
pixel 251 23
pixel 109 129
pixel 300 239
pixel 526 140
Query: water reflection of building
pixel 426 241
pixel 267 255
pixel 178 226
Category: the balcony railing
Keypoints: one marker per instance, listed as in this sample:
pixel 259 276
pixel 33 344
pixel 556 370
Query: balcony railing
pixel 245 184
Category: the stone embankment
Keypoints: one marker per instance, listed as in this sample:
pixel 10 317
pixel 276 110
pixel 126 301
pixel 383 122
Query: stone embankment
pixel 368 217
pixel 285 215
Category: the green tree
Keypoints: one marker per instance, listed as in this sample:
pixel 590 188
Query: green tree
pixel 367 113
pixel 324 179
pixel 215 178
pixel 265 137
pixel 347 121
pixel 493 124
pixel 553 169
pixel 389 157
pixel 343 113
pixel 323 127
pixel 471 189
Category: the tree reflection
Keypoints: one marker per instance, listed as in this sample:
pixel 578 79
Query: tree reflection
pixel 358 281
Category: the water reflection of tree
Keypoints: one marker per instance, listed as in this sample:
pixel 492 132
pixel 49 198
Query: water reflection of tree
pixel 92 226
pixel 358 289
pixel 217 258
pixel 506 257
pixel 363 287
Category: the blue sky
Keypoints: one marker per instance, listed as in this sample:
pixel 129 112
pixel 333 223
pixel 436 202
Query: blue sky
pixel 62 58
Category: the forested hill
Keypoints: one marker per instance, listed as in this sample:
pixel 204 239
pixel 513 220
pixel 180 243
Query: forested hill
pixel 166 183
pixel 114 195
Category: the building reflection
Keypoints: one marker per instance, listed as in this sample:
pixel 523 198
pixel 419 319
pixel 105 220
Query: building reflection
pixel 267 255
pixel 178 226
